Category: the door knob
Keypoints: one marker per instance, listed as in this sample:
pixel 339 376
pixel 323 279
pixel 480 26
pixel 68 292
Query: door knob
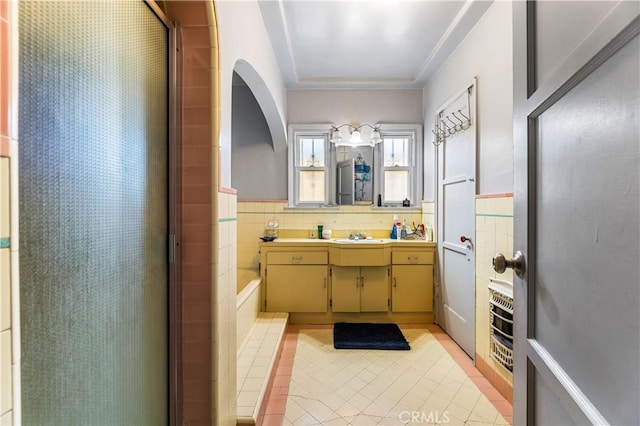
pixel 501 263
pixel 464 239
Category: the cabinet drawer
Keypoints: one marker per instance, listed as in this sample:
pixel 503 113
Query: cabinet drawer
pixel 412 257
pixel 298 258
pixel 362 257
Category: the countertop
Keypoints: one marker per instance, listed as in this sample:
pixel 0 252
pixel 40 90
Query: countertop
pixel 334 242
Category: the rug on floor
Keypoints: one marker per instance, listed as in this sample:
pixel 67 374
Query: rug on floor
pixel 348 335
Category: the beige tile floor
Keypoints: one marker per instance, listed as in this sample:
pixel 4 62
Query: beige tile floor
pixel 426 385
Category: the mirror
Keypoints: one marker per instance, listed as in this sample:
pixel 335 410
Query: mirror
pixel 354 175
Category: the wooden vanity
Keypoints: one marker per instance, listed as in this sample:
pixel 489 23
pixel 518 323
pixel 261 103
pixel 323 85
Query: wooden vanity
pixel 326 281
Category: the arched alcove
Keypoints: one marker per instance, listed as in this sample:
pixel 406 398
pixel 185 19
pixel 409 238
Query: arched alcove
pixel 258 171
pixel 267 104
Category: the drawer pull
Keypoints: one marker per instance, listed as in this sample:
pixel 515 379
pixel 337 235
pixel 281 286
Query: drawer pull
pixel 412 259
pixel 395 282
pixel 296 259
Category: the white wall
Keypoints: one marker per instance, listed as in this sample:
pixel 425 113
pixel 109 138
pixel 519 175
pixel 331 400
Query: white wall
pixel 242 36
pixel 486 53
pixel 354 106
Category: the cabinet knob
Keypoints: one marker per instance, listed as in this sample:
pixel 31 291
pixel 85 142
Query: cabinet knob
pixel 395 282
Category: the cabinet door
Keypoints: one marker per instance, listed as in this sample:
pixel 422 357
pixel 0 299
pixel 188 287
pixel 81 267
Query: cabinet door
pixel 374 288
pixel 412 288
pixel 296 288
pixel 345 289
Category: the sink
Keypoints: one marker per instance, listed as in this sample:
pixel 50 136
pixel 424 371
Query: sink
pixel 348 241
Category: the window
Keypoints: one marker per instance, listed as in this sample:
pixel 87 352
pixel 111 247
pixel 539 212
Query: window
pixel 399 164
pixel 310 162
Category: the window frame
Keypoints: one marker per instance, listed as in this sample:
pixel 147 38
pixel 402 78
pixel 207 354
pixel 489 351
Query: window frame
pixel 415 156
pixel 297 131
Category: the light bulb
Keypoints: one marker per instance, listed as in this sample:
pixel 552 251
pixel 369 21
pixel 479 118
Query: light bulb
pixel 356 137
pixel 336 136
pixel 375 137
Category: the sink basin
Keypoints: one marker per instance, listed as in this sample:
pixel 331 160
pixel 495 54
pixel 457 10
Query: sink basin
pixel 348 241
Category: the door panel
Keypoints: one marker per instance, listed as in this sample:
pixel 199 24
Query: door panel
pixel 547 406
pixel 374 286
pixel 573 219
pixel 456 288
pixel 410 293
pixel 577 198
pixel 456 218
pixel 297 288
pixel 555 40
pixel 346 182
pixel 345 289
pixel 456 157
pixel 458 203
pixel 94 203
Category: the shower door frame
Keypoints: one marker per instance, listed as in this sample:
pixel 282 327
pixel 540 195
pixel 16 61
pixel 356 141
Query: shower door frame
pixel 173 252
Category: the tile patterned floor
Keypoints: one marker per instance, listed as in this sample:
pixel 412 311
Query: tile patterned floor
pixel 433 383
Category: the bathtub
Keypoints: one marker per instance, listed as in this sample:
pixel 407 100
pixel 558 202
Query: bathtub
pixel 248 304
pixel 245 277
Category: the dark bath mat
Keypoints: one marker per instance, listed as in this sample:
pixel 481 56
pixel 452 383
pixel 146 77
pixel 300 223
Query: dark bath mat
pixel 348 335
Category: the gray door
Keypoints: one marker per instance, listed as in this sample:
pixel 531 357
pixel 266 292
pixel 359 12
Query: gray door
pixel 577 174
pixel 94 222
pixel 346 183
pixel 457 223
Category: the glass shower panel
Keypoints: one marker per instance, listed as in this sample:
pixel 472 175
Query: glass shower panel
pixel 93 173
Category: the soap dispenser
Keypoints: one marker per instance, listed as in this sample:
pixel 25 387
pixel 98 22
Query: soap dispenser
pixel 394 232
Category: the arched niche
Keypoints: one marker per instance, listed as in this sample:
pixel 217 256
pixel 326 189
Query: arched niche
pixel 265 100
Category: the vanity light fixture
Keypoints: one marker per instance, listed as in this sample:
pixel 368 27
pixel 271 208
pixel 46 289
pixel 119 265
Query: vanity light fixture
pixel 355 136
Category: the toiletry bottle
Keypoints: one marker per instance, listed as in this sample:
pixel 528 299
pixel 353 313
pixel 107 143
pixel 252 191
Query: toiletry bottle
pixel 394 232
pixel 379 200
pixel 403 229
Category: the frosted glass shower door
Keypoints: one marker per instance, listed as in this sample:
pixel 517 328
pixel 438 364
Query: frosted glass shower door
pixel 94 203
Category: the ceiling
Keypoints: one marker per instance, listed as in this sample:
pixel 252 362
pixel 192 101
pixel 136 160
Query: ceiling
pixel 366 43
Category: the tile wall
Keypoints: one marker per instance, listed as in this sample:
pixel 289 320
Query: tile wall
pixel 198 213
pixel 429 217
pixel 494 233
pixel 254 215
pixel 9 319
pixel 224 310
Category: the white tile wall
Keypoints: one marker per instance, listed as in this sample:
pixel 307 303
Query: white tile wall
pixel 6 419
pixel 5 372
pixel 7 360
pixel 225 327
pixel 248 308
pixel 5 289
pixel 4 198
pixel 494 233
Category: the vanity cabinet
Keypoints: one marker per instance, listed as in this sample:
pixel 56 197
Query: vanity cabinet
pixel 296 281
pixel 328 281
pixel 359 289
pixel 411 280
